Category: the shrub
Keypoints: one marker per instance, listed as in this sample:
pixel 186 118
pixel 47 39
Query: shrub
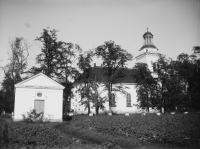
pixel 67 118
pixel 33 116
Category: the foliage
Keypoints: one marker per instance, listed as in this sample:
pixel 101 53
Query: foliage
pixel 4 138
pixel 188 68
pixel 114 62
pixel 65 71
pixel 97 99
pixel 13 71
pixel 178 129
pixel 56 60
pixel 18 58
pixel 33 116
pixel 172 86
pixel 169 87
pixel 46 58
pixel 5 116
pixel 19 135
pixel 144 85
pixel 85 78
pixel 1 102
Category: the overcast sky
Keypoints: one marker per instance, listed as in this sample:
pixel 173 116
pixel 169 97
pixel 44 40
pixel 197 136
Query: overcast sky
pixel 175 24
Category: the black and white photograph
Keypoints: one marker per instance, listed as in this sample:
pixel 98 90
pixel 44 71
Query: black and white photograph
pixel 99 74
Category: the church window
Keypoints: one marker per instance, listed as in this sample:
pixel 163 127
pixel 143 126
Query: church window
pixel 155 66
pixel 128 100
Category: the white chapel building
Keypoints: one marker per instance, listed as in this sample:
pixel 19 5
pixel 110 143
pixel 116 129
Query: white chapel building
pixel 41 93
pixel 124 103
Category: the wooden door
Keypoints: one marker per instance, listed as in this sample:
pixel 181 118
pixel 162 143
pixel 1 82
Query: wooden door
pixel 39 106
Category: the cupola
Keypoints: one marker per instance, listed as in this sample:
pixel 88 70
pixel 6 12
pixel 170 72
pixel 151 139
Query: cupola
pixel 148 45
pixel 148 52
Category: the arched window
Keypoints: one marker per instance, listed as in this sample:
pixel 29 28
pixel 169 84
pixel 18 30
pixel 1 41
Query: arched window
pixel 128 100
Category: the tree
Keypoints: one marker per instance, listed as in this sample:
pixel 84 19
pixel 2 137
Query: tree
pixel 188 68
pixel 85 78
pixel 196 49
pixel 14 69
pixel 56 61
pixel 65 71
pixel 161 91
pixel 2 102
pixel 144 85
pixel 46 58
pixel 170 88
pixel 18 58
pixel 114 62
pixel 96 97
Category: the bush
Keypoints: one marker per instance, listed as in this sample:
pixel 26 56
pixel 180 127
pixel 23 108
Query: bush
pixel 33 116
pixel 67 118
pixel 67 115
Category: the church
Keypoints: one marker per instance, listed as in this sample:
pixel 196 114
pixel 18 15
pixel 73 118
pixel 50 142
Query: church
pixel 124 103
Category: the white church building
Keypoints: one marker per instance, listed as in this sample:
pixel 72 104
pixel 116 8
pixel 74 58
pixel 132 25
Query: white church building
pixel 124 103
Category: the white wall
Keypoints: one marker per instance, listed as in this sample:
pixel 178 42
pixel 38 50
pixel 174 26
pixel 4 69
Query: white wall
pixel 24 102
pixel 120 99
pixel 148 58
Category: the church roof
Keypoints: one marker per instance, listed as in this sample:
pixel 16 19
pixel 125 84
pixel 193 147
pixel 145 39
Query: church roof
pixel 98 75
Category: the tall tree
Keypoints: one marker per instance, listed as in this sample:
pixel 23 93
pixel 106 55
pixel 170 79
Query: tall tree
pixel 161 91
pixel 89 87
pixel 14 69
pixel 96 97
pixel 85 78
pixel 114 61
pixel 2 102
pixel 18 59
pixel 46 58
pixel 66 72
pixel 145 85
pixel 188 68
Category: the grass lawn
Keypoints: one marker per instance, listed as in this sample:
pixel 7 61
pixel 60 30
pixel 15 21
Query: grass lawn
pixel 177 131
pixel 136 131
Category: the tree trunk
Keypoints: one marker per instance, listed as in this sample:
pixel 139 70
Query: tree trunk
pixel 97 110
pixel 110 97
pixel 66 96
pixel 147 109
pixel 88 107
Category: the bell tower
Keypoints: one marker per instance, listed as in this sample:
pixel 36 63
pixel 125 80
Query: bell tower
pixel 148 52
